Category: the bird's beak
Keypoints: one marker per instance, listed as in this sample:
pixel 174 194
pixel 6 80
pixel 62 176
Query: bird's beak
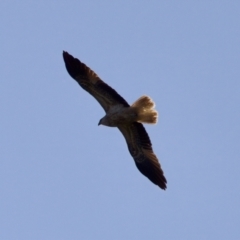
pixel 99 122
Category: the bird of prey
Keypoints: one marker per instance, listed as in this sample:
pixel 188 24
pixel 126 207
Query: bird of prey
pixel 128 119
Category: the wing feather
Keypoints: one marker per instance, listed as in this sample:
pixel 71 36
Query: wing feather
pixel 90 82
pixel 140 147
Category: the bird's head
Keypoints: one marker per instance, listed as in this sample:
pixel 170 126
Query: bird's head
pixel 104 121
pixel 100 122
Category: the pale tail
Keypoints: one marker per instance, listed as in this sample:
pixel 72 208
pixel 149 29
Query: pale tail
pixel 144 108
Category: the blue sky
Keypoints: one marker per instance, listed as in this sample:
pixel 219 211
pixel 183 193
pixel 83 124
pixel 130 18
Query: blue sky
pixel 63 177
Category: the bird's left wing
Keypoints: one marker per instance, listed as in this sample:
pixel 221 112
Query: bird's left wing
pixel 140 148
pixel 90 81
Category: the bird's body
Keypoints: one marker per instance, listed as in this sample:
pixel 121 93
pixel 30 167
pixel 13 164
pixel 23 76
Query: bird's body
pixel 118 115
pixel 128 119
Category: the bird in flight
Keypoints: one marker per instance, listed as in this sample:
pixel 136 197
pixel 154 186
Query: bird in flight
pixel 127 118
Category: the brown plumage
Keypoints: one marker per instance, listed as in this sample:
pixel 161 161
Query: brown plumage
pixel 120 114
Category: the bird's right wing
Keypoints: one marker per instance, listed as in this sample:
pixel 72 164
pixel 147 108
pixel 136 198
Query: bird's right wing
pixel 90 81
pixel 140 148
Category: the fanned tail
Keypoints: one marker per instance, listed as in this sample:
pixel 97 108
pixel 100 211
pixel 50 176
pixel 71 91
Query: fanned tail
pixel 144 107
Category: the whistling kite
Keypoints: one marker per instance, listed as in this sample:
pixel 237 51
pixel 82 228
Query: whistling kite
pixel 128 119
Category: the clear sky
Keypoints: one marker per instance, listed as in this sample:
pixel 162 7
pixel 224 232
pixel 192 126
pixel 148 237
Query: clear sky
pixel 63 177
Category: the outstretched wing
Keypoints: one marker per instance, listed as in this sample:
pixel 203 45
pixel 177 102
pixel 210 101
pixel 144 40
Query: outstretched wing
pixel 140 147
pixel 90 81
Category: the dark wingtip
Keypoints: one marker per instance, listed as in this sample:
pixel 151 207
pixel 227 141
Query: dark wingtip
pixel 162 181
pixel 73 65
pixel 163 184
pixel 154 174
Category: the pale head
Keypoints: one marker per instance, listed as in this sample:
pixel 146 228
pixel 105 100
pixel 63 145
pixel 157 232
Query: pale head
pixel 103 121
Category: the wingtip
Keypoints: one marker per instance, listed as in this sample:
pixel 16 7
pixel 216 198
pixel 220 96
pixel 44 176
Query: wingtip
pixel 65 55
pixel 163 184
pixel 72 64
